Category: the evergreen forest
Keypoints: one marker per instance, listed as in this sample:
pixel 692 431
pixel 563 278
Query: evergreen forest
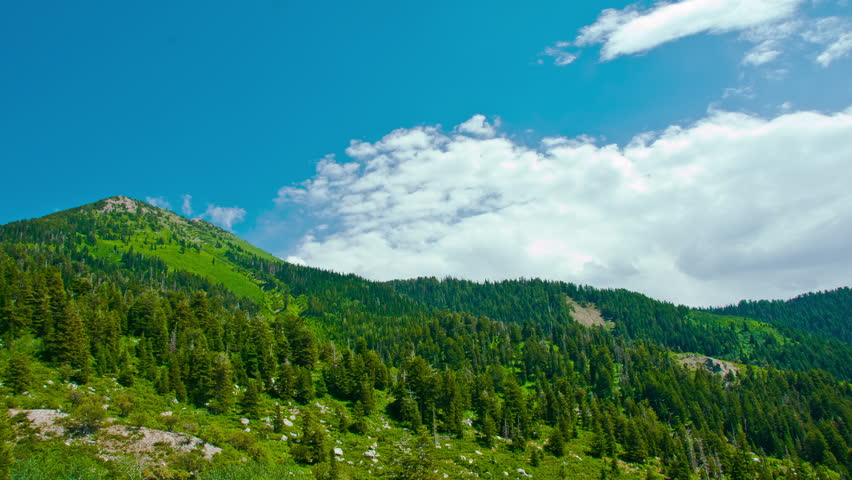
pixel 138 344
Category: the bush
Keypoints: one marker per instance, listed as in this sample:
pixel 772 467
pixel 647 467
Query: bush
pixel 86 418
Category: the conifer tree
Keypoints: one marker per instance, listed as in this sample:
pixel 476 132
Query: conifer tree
pixel 222 391
pixel 56 305
pixel 303 345
pixel 19 375
pixel 311 446
pixel 367 398
pixel 303 385
pixel 409 412
pixel 250 403
pixel 176 380
pixel 360 426
pixel 556 443
pixel 488 430
pixel 635 445
pixel 285 382
pixel 278 420
pixel 71 345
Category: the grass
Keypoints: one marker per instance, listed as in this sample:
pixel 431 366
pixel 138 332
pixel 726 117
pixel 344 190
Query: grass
pixel 209 263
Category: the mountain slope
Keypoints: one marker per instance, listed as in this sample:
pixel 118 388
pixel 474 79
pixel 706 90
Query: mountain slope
pixel 124 316
pixel 635 316
pixel 127 233
pixel 117 226
pixel 827 314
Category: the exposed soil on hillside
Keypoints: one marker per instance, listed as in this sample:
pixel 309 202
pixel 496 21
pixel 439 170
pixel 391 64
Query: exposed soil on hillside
pixel 116 440
pixel 589 315
pixel 712 365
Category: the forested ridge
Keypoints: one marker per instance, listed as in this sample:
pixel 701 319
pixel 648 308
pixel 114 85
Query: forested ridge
pixel 119 313
pixel 827 313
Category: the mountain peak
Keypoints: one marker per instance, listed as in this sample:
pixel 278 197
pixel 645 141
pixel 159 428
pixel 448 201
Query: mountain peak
pixel 121 203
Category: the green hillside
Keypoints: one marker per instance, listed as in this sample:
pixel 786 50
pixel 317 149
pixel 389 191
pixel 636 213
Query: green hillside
pixel 635 316
pixel 827 314
pixel 139 344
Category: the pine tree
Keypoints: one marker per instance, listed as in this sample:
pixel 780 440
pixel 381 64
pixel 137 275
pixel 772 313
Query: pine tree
pixel 250 403
pixel 146 367
pixel 303 345
pixel 285 382
pixel 360 426
pixel 535 457
pixel 56 306
pixel 367 398
pixel 635 445
pixel 556 443
pixel 176 380
pixel 489 429
pixel 71 345
pixel 311 444
pixel 409 411
pixel 303 388
pixel 278 420
pixel 19 375
pixel 222 391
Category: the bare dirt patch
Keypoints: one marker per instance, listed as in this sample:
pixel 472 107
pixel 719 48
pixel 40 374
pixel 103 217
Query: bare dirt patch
pixel 115 440
pixel 45 422
pixel 712 365
pixel 147 440
pixel 589 315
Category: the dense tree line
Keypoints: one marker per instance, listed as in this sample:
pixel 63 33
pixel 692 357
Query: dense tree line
pixel 636 316
pixel 827 314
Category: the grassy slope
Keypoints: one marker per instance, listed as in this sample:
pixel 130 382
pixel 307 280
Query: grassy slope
pixel 749 331
pixel 208 260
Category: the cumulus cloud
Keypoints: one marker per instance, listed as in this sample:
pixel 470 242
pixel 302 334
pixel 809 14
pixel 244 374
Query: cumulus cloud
pixel 159 202
pixel 630 31
pixel 186 208
pixel 478 126
pixel 225 217
pixel 733 206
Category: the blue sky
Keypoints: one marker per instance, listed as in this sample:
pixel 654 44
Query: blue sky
pixel 239 106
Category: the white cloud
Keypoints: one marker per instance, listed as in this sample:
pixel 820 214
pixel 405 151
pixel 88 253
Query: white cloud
pixel 839 49
pixel 835 34
pixel 768 40
pixel 772 26
pixel 159 202
pixel 225 217
pixel 761 54
pixel 732 206
pixel 561 56
pixel 186 208
pixel 478 125
pixel 630 31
